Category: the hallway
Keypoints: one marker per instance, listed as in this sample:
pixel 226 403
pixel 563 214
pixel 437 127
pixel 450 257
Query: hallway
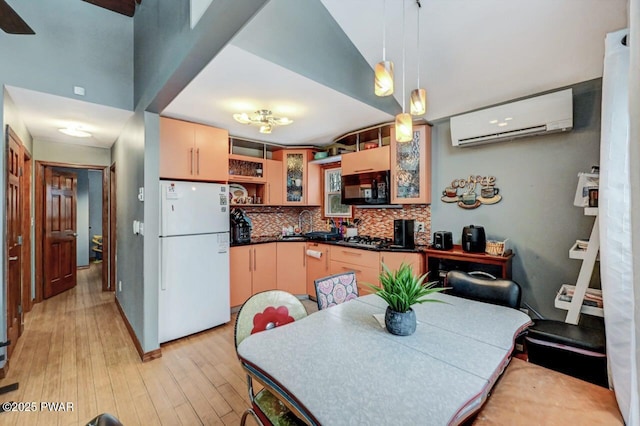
pixel 76 349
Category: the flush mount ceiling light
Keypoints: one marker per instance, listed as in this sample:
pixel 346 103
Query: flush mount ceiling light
pixel 262 118
pixel 75 132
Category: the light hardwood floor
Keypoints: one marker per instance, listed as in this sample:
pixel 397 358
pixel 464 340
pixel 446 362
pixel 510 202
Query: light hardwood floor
pixel 75 348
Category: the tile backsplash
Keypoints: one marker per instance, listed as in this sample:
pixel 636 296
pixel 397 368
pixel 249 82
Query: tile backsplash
pixel 268 221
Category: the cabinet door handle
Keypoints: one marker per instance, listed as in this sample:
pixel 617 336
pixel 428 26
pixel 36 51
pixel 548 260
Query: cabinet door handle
pixel 304 256
pixel 197 161
pixel 250 257
pixel 351 253
pixel 326 257
pixel 254 259
pixel 364 170
pixel 381 262
pixel 351 269
pixel 191 153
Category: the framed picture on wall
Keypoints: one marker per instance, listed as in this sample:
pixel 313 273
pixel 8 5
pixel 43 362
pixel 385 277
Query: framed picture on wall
pixel 332 205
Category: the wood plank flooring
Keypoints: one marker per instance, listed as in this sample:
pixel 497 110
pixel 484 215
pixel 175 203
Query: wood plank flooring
pixel 76 349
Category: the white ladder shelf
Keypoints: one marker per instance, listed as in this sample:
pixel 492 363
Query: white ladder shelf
pixel 589 257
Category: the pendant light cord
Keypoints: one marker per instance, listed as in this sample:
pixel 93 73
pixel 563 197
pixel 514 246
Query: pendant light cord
pixel 404 70
pixel 384 30
pixel 418 55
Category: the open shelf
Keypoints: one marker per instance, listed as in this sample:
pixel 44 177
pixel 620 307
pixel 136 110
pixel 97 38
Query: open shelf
pixel 585 309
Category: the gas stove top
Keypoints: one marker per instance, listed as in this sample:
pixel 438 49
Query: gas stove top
pixel 366 241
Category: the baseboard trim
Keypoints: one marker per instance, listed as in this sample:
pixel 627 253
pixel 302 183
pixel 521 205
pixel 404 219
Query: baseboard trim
pixel 144 356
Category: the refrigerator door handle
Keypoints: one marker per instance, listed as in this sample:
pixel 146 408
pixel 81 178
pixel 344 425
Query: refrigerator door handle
pixel 163 266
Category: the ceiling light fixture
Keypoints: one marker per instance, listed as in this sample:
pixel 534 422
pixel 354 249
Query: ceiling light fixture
pixel 404 122
pixel 75 132
pixel 262 118
pixel 383 73
pixel 418 97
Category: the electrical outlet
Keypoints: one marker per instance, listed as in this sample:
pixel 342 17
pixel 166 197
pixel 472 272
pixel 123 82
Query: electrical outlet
pixel 420 227
pixel 119 285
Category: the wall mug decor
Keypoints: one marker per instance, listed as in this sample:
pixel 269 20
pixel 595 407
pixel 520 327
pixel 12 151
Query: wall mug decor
pixel 470 199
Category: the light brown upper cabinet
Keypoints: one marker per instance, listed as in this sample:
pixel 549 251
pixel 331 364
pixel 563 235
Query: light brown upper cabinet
pixel 273 193
pixel 411 167
pixel 301 180
pixel 193 151
pixel 365 161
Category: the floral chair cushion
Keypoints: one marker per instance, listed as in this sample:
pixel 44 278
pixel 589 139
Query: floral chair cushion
pixel 267 310
pixel 336 289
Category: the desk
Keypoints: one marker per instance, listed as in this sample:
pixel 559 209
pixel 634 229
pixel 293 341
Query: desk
pixel 343 368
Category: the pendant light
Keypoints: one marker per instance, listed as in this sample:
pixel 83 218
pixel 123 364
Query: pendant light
pixel 418 99
pixel 404 122
pixel 383 73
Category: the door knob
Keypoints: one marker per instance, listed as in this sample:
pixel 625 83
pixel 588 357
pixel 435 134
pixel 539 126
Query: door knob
pixel 75 234
pixel 13 258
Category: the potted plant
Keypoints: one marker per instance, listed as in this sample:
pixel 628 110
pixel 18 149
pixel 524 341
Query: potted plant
pixel 402 289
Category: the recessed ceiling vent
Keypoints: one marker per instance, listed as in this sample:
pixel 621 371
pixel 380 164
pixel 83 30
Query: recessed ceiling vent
pixel 539 115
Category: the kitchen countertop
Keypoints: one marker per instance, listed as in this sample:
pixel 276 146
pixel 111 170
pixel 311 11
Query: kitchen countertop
pixel 279 239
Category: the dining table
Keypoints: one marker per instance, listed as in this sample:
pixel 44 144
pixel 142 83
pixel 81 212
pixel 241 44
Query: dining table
pixel 339 366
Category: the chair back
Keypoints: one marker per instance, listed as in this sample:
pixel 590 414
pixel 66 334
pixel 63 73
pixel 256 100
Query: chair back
pixel 267 310
pixel 336 289
pixel 490 290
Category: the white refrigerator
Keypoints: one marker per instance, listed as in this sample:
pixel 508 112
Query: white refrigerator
pixel 194 258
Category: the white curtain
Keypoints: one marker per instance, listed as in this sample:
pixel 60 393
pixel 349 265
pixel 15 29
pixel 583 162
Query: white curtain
pixel 616 225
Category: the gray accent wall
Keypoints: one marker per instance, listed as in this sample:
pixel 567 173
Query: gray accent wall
pixel 537 177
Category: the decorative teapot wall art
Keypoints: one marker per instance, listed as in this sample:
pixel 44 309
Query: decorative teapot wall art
pixel 463 192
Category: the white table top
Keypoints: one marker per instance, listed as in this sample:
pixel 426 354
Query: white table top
pixel 345 368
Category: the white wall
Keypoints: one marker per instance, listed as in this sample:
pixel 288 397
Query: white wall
pixel 70 153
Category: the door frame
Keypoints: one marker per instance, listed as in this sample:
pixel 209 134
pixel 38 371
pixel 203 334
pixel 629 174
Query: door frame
pixel 112 226
pixel 26 185
pixel 40 205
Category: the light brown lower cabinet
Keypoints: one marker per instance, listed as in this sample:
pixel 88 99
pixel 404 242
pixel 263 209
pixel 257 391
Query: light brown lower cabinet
pixel 317 268
pixel 292 267
pixel 364 263
pixel 252 270
pixel 393 260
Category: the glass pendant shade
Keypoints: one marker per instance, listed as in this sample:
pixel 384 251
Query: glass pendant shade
pixel 418 101
pixel 404 127
pixel 384 78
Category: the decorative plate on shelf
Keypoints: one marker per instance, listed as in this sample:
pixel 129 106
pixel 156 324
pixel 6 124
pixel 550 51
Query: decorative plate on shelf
pixel 237 191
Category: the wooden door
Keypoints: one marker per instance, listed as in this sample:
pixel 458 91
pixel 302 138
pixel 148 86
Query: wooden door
pixel 317 268
pixel 60 232
pixel 264 267
pixel 177 153
pixel 241 265
pixel 274 183
pixel 292 267
pixel 212 153
pixel 14 243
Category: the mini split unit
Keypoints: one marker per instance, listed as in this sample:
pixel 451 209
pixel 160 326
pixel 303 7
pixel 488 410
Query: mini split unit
pixel 539 115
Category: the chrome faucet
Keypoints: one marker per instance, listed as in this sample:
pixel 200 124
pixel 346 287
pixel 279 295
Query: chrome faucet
pixel 310 220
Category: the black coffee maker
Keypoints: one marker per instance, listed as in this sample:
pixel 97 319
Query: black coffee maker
pixel 403 233
pixel 240 227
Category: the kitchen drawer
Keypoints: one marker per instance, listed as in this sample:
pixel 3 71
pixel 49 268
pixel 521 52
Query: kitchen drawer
pixel 364 274
pixel 356 256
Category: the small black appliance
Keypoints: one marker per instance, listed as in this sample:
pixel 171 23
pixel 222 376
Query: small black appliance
pixel 240 227
pixel 403 233
pixel 442 240
pixel 473 239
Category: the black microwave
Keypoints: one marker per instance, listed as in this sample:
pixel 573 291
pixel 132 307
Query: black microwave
pixel 366 188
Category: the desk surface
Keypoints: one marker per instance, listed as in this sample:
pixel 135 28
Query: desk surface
pixel 346 369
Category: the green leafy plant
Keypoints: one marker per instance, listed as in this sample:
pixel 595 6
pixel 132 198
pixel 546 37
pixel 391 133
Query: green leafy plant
pixel 402 288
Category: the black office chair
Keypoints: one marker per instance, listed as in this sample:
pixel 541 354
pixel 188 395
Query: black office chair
pixel 104 419
pixel 484 288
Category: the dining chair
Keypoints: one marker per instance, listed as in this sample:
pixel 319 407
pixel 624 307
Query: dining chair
pixel 485 288
pixel 336 289
pixel 261 312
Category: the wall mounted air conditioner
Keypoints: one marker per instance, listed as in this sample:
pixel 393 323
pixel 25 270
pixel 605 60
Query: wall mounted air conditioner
pixel 548 113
